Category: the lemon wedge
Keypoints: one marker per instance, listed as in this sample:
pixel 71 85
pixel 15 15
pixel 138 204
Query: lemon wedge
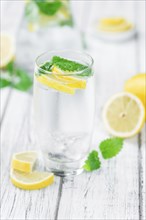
pixel 71 81
pixel 7 49
pixel 137 86
pixel 53 83
pixel 24 161
pixel 124 115
pixel 31 181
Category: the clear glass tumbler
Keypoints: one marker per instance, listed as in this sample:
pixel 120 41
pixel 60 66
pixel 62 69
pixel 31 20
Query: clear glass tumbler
pixel 63 122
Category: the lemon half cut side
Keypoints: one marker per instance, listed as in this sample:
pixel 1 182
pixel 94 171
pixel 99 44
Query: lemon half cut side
pixel 124 115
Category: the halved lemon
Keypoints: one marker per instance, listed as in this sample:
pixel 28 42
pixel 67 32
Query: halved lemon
pixel 124 115
pixel 24 161
pixel 7 52
pixel 71 81
pixel 31 181
pixel 53 83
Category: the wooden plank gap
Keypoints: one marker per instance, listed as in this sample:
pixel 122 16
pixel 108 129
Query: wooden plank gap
pixel 140 172
pixel 59 198
pixel 5 106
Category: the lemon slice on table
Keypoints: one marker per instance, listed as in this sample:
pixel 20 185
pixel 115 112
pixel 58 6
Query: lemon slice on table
pixel 124 115
pixel 24 161
pixel 31 181
pixel 7 52
pixel 55 84
pixel 71 81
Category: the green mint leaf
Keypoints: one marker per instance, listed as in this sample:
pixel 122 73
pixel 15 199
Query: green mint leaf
pixel 46 66
pixel 92 162
pixel 4 83
pixel 31 12
pixel 70 66
pixel 10 67
pixel 22 80
pixel 111 147
pixel 48 8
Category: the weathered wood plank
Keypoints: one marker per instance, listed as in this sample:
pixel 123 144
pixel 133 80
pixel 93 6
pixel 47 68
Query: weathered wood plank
pixel 4 99
pixel 113 191
pixel 141 57
pixel 10 22
pixel 16 203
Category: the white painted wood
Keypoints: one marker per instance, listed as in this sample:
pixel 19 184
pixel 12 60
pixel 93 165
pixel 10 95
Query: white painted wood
pixel 109 193
pixel 10 21
pixel 11 15
pixel 113 191
pixel 141 13
pixel 4 94
pixel 16 203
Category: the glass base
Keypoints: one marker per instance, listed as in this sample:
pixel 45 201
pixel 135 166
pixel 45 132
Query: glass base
pixel 63 169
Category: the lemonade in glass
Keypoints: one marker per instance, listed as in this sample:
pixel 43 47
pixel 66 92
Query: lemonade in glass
pixel 64 106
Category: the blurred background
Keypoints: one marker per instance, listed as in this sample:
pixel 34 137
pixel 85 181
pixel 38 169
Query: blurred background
pixel 69 24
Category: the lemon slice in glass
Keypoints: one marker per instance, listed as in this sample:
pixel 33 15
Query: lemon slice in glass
pixel 71 81
pixel 124 115
pixel 31 181
pixel 53 83
pixel 7 49
pixel 24 161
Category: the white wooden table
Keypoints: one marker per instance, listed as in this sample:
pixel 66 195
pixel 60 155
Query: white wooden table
pixel 117 190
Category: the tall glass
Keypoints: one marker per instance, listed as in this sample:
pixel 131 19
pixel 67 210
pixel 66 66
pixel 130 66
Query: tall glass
pixel 64 122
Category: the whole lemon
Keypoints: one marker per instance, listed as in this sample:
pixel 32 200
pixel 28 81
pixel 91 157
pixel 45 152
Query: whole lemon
pixel 137 86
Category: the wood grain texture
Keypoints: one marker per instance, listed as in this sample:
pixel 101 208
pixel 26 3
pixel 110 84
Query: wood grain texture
pixel 117 190
pixel 19 204
pixel 112 192
pixel 141 67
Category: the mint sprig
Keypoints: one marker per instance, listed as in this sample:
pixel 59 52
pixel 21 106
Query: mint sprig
pixel 67 66
pixel 48 8
pixel 15 77
pixel 22 81
pixel 4 83
pixel 92 162
pixel 109 148
pixel 46 66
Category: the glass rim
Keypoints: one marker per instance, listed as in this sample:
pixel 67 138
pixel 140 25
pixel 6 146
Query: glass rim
pixel 89 66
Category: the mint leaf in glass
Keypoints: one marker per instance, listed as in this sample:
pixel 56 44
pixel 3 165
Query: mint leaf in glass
pixel 111 147
pixel 46 66
pixel 92 162
pixel 48 8
pixel 71 66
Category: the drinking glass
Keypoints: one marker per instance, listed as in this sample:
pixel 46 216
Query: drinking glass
pixel 63 123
